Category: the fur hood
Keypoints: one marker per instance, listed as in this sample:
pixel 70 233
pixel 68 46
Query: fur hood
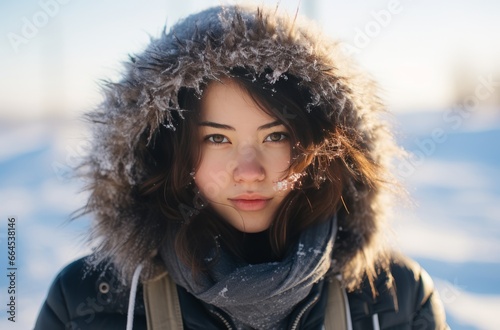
pixel 199 48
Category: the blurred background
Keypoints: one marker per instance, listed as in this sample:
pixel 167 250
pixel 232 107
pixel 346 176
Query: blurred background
pixel 437 62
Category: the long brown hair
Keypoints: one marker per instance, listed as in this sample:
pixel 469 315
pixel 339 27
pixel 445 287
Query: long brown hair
pixel 324 153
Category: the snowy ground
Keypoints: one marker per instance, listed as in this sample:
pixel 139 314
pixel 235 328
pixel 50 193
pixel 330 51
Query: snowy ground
pixel 452 230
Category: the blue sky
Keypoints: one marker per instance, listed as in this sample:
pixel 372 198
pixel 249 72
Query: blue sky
pixel 413 53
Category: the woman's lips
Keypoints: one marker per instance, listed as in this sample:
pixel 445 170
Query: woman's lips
pixel 254 204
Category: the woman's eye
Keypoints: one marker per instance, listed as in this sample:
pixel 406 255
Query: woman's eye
pixel 276 137
pixel 216 139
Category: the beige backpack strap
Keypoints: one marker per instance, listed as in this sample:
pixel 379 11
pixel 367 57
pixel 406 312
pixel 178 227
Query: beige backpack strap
pixel 335 315
pixel 163 310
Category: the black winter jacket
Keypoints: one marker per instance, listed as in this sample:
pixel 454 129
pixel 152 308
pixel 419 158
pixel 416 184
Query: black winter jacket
pixel 79 299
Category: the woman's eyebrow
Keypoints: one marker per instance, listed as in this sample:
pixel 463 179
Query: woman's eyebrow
pixel 216 125
pixel 223 126
pixel 272 124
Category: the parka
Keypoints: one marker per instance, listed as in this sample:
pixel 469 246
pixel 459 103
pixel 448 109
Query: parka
pixel 126 233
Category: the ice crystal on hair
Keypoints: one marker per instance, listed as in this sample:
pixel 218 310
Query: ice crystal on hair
pixel 281 185
pixel 288 183
pixel 169 125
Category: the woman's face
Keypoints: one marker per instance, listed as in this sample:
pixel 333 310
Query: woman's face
pixel 244 155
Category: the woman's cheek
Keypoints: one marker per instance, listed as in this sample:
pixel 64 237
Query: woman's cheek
pixel 279 161
pixel 212 175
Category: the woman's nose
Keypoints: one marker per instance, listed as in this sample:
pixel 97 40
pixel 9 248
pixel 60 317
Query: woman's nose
pixel 248 166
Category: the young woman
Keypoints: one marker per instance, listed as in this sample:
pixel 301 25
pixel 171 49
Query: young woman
pixel 239 180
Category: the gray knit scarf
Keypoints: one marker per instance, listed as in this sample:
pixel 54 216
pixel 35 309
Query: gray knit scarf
pixel 261 295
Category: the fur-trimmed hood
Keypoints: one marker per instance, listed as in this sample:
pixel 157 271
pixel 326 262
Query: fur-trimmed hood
pixel 199 48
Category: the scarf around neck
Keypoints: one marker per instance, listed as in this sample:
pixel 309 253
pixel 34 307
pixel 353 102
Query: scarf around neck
pixel 260 295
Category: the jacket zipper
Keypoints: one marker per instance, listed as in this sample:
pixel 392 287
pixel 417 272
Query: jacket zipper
pixel 222 318
pixel 294 325
pixel 299 316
